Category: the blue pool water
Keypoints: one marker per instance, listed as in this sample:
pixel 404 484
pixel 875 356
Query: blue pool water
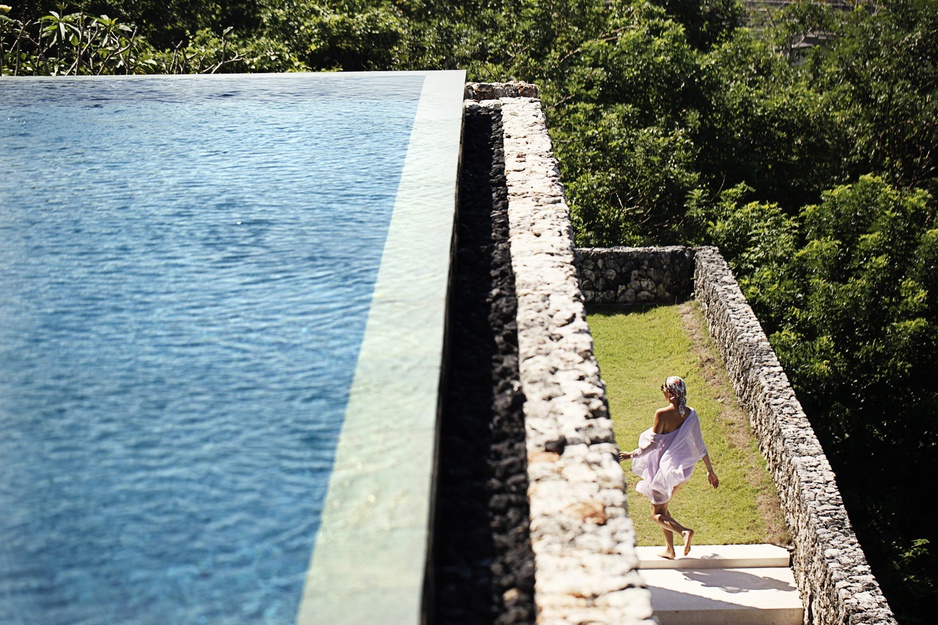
pixel 186 266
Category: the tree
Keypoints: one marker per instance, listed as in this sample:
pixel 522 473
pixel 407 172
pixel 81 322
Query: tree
pixel 166 23
pixel 764 126
pixel 706 22
pixel 882 75
pixel 346 35
pixel 852 316
pixel 624 105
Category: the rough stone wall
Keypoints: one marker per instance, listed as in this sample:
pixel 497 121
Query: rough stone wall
pixel 630 275
pixel 832 573
pixel 581 534
pixel 833 576
pixel 479 91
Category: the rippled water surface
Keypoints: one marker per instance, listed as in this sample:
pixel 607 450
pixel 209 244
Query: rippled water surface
pixel 186 266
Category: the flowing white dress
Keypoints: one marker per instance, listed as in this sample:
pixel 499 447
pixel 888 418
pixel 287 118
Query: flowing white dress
pixel 665 461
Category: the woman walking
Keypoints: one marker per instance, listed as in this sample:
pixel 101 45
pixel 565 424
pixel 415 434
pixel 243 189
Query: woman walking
pixel 665 459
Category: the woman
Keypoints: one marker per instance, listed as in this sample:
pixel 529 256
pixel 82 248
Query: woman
pixel 665 459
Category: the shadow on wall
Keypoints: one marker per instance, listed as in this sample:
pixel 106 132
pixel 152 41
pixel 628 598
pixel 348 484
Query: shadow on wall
pixel 483 561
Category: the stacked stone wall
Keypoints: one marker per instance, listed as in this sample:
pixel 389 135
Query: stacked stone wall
pixel 629 275
pixel 835 580
pixel 483 565
pixel 581 535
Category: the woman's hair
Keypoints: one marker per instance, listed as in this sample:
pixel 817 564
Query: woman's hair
pixel 678 390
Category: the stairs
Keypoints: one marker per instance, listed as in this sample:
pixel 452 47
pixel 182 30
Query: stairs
pixel 722 585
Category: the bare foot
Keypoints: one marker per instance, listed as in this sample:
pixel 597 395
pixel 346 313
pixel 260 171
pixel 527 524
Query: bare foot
pixel 667 554
pixel 688 536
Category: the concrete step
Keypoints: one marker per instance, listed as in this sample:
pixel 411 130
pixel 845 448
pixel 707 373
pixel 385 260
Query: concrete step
pixel 723 585
pixel 716 557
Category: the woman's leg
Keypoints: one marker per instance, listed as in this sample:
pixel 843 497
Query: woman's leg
pixel 669 526
pixel 658 511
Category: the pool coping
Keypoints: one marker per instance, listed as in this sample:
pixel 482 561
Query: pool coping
pixel 372 551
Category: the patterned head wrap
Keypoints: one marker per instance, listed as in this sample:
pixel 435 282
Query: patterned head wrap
pixel 678 390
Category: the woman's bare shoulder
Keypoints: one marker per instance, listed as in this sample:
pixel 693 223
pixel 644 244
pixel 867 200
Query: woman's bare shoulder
pixel 667 420
pixel 666 411
pixel 663 420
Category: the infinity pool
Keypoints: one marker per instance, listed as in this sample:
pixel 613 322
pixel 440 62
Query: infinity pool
pixel 188 268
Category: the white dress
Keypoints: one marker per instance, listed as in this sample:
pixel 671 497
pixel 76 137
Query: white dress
pixel 665 461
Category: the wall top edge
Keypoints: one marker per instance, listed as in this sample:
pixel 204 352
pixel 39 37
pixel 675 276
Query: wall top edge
pixel 649 248
pixel 495 90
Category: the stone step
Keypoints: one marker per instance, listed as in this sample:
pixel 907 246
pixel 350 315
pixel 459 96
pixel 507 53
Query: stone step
pixel 716 557
pixel 735 596
pixel 723 585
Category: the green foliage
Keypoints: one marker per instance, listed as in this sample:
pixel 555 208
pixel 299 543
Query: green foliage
pixel 622 131
pixel 766 127
pixel 630 180
pixel 795 23
pixel 642 121
pixel 707 22
pixel 73 43
pixel 882 76
pixel 864 309
pixel 208 53
pixel 80 43
pixel 646 64
pixel 165 23
pixel 554 33
pixel 755 235
pixel 915 567
pixel 339 35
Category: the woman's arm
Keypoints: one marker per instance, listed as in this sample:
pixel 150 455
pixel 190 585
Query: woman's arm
pixel 645 442
pixel 711 474
pixel 635 453
pixel 649 441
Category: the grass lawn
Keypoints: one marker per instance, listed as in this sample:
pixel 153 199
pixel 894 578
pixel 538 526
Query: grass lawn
pixel 636 351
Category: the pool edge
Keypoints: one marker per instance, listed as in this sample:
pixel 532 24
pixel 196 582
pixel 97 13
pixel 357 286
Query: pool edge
pixel 373 547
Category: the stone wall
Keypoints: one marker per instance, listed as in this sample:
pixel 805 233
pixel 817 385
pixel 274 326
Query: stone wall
pixel 832 573
pixel 629 275
pixel 833 576
pixel 483 564
pixel 581 534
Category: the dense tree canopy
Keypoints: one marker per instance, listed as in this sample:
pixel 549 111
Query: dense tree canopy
pixel 813 170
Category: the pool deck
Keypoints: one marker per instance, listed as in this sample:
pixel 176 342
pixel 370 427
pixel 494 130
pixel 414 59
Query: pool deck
pixel 372 552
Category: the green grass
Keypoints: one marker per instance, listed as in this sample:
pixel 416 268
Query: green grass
pixel 636 352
